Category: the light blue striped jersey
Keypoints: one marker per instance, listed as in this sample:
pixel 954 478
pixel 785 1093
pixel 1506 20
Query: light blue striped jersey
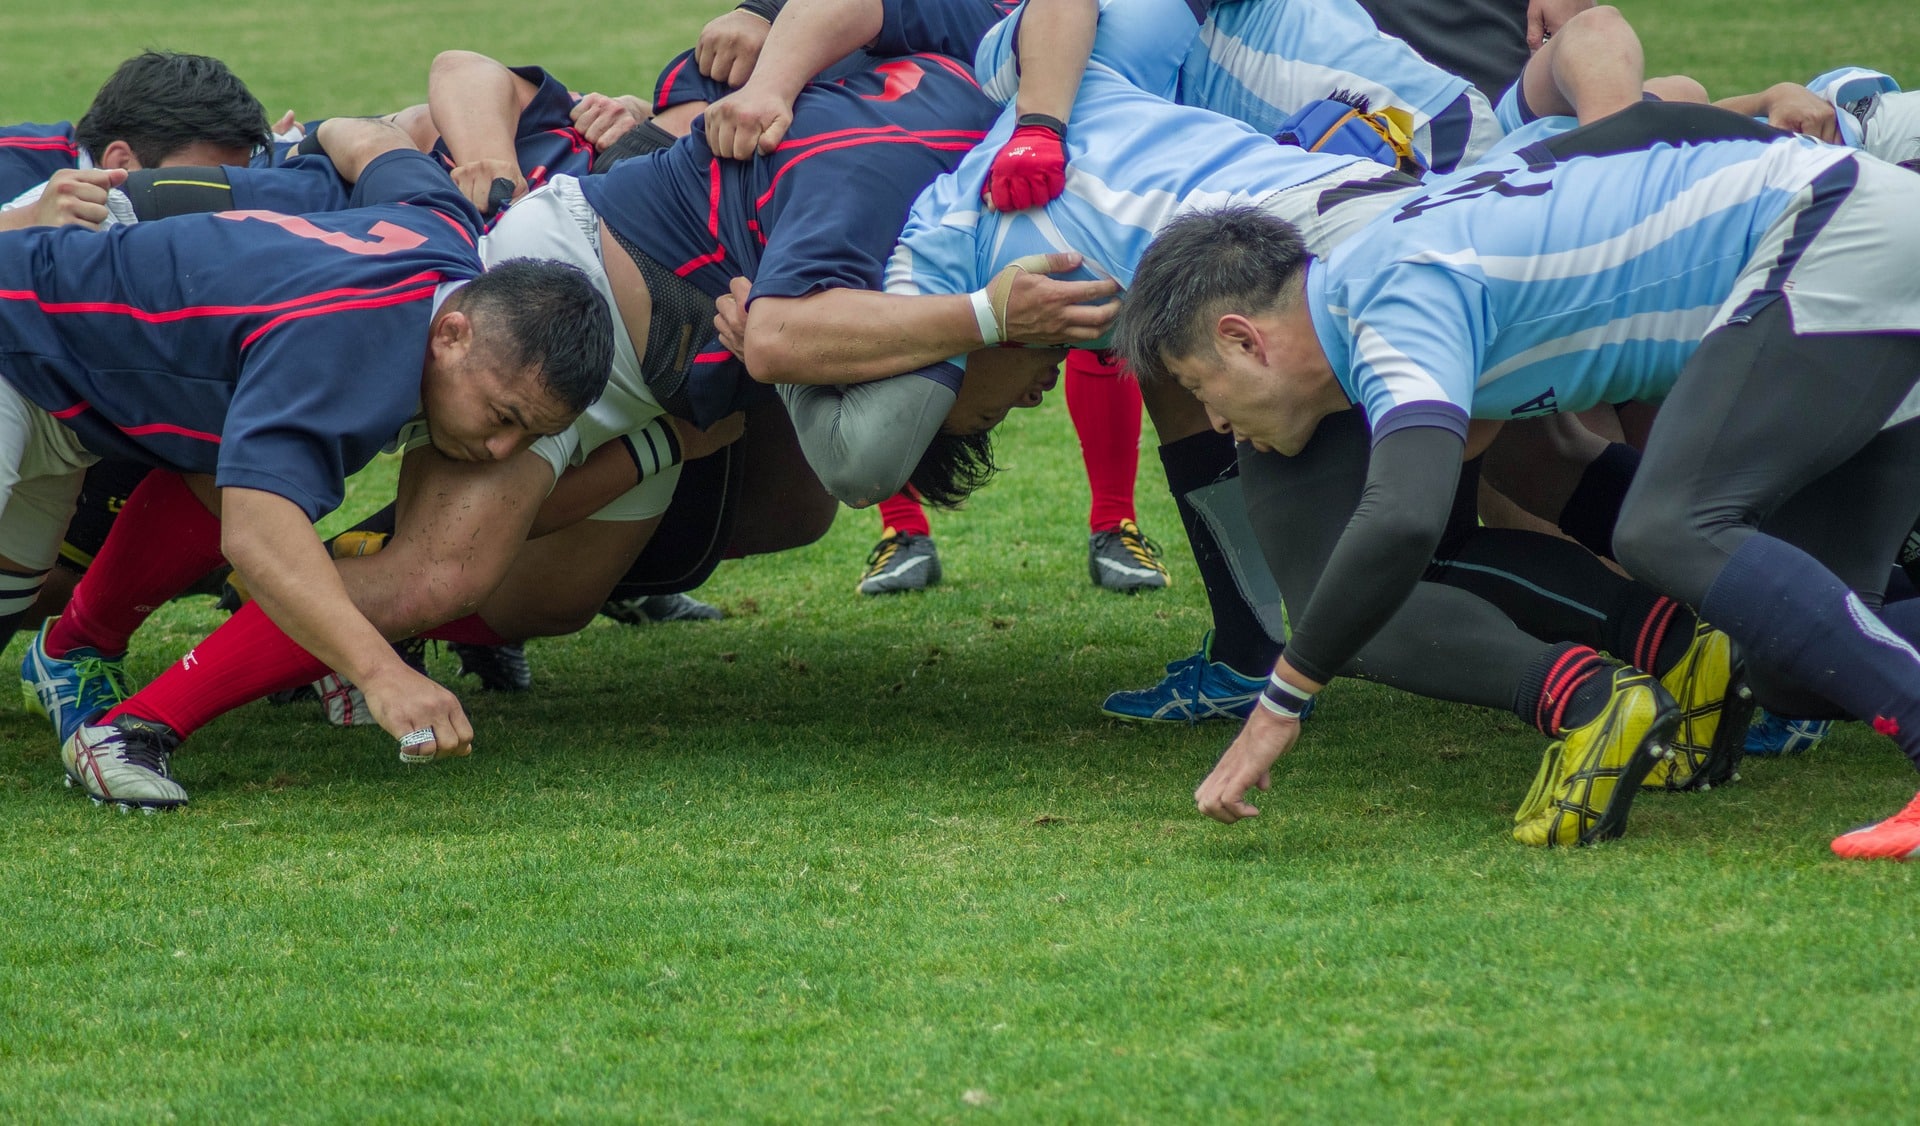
pixel 1509 290
pixel 1261 61
pixel 1134 162
pixel 1873 113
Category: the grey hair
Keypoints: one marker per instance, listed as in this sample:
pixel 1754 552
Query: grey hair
pixel 1198 267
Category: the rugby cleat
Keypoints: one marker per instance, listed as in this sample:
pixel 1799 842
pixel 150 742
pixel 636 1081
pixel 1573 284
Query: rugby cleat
pixel 1196 689
pixel 1710 685
pixel 900 561
pixel 1125 561
pixel 124 762
pixel 654 608
pixel 499 668
pixel 68 689
pixel 1587 780
pixel 341 699
pixel 1896 838
pixel 1772 734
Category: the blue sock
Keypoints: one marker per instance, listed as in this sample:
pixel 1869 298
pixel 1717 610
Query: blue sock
pixel 1792 616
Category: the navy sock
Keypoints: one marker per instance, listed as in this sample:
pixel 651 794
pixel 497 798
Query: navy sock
pixel 1594 507
pixel 1240 642
pixel 1566 687
pixel 1791 615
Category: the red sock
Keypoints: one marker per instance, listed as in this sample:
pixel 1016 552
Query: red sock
pixel 243 660
pixel 163 541
pixel 902 513
pixel 469 630
pixel 1104 401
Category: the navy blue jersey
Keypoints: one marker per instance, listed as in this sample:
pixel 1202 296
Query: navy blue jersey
pixel 821 211
pixel 545 142
pixel 31 154
pixel 948 27
pixel 277 352
pixel 681 82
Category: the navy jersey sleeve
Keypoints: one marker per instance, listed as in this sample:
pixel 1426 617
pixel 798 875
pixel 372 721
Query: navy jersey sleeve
pixel 948 27
pixel 31 154
pixel 682 82
pixel 406 176
pixel 318 397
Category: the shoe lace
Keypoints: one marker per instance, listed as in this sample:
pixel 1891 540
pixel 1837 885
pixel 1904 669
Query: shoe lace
pixel 147 747
pixel 91 671
pixel 883 551
pixel 1137 544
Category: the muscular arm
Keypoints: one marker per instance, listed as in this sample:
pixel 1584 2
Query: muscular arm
pixel 1787 105
pixel 1056 36
pixel 809 36
pixel 863 441
pixel 1411 476
pixel 352 143
pixel 476 104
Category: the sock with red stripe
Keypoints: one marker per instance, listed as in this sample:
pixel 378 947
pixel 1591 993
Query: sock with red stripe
pixel 902 513
pixel 245 659
pixel 1565 687
pixel 1103 399
pixel 1650 631
pixel 163 541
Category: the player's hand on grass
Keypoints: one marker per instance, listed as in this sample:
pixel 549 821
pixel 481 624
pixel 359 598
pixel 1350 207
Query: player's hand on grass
pixel 75 197
pixel 746 121
pixel 696 443
pixel 1247 765
pixel 602 119
pixel 1030 170
pixel 1799 110
pixel 475 181
pixel 403 701
pixel 1043 310
pixel 730 46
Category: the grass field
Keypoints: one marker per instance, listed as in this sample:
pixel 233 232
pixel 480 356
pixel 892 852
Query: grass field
pixel 837 858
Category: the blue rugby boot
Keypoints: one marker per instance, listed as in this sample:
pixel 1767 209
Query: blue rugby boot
pixel 71 689
pixel 1196 689
pixel 1777 735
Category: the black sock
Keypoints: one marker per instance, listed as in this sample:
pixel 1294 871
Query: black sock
pixel 1649 631
pixel 1567 686
pixel 1594 508
pixel 19 590
pixel 1239 640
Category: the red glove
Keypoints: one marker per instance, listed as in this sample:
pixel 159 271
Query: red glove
pixel 1030 170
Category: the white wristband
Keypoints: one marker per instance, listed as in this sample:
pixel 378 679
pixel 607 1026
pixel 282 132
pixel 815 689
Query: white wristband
pixel 983 316
pixel 1283 699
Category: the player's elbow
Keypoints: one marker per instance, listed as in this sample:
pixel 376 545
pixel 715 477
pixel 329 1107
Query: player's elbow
pixel 770 355
pixel 449 63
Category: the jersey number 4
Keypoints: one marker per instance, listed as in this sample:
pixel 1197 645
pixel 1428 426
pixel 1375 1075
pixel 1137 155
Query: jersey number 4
pixel 386 238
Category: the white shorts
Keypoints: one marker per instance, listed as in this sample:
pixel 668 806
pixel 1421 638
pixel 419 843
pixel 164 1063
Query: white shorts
pixel 1322 231
pixel 42 465
pixel 557 222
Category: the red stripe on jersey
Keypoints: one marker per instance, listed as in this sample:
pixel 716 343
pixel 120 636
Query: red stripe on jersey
pixel 720 357
pixel 719 250
pixel 450 221
pixel 666 88
pixel 168 428
pixel 71 411
pixel 877 130
pixel 952 65
pixel 910 139
pixel 167 316
pixel 41 144
pixel 338 307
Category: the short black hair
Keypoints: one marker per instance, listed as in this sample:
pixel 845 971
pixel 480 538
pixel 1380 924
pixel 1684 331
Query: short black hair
pixel 159 102
pixel 545 314
pixel 953 467
pixel 1199 266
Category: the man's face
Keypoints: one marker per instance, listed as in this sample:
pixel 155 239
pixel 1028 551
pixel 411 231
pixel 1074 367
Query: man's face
pixel 998 380
pixel 478 409
pixel 1256 382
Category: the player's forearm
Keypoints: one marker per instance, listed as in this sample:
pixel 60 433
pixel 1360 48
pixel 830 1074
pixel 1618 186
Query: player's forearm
pixel 271 545
pixel 1386 547
pixel 853 336
pixel 810 36
pixel 1056 36
pixel 475 104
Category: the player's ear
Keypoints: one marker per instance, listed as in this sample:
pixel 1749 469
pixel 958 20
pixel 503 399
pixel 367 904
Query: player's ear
pixel 1234 333
pixel 117 154
pixel 452 335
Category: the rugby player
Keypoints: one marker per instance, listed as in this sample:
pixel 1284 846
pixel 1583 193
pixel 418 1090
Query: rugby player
pixel 273 370
pixel 1738 272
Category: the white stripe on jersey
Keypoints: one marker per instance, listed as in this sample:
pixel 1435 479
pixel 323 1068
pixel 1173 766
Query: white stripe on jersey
pixel 1672 324
pixel 1405 378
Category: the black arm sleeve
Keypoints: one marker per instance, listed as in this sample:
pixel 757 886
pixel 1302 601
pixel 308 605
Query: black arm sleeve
pixel 1411 475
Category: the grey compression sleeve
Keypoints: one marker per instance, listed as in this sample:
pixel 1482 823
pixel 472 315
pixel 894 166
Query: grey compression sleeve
pixel 1387 546
pixel 864 439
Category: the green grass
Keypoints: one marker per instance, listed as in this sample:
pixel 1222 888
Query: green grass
pixel 841 858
